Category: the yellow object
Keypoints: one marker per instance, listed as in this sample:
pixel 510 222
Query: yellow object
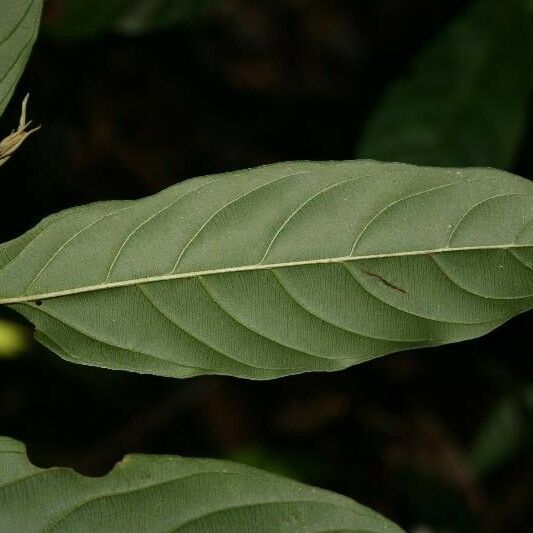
pixel 13 340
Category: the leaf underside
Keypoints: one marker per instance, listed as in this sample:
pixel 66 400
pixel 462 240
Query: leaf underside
pixel 465 99
pixel 278 270
pixel 164 493
pixel 19 25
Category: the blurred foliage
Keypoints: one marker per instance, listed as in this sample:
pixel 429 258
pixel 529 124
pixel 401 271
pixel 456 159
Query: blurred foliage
pixel 83 18
pixel 149 15
pixel 465 100
pixel 78 19
pixel 505 433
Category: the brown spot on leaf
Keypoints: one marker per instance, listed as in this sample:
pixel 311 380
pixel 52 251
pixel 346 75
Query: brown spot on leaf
pixel 385 282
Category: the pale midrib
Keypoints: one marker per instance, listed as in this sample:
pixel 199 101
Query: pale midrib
pixel 247 268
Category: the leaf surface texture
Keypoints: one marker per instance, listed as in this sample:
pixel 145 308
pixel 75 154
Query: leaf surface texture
pixel 169 493
pixel 277 270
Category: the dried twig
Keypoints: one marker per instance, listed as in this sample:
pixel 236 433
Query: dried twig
pixel 12 142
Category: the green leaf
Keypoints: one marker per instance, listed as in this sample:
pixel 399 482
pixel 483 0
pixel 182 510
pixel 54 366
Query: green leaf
pixel 89 18
pixel 504 434
pixel 19 25
pixel 465 100
pixel 158 493
pixel 278 270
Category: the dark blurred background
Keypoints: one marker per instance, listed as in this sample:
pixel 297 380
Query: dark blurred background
pixel 438 440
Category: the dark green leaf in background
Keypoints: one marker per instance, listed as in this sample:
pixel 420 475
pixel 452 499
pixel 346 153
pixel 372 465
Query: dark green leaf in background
pixel 278 270
pixel 504 434
pixel 19 25
pixel 164 493
pixel 464 101
pixel 83 18
pixel 89 18
pixel 149 15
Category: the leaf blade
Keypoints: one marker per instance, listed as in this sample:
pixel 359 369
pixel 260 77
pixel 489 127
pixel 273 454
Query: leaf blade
pixel 278 270
pixel 19 26
pixel 163 493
